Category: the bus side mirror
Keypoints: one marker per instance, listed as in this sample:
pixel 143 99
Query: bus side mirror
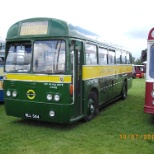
pixel 0 46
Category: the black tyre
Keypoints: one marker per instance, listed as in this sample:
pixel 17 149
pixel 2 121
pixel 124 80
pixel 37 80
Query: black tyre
pixel 124 90
pixel 134 75
pixel 92 110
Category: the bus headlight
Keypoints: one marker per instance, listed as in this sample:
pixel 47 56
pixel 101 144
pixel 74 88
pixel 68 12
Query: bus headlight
pixel 49 97
pixel 52 113
pixel 152 93
pixel 56 97
pixel 8 93
pixel 14 93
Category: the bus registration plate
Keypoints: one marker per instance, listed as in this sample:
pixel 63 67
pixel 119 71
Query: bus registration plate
pixel 33 116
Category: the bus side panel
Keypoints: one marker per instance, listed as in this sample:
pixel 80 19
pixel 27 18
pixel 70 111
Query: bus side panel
pixel 103 95
pixel 149 107
pixel 122 73
pixel 117 86
pixel 129 80
pixel 127 75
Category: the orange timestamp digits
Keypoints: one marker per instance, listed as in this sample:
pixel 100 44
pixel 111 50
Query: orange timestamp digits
pixel 137 136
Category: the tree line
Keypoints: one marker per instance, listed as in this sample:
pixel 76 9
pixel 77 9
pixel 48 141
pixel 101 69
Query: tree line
pixel 142 59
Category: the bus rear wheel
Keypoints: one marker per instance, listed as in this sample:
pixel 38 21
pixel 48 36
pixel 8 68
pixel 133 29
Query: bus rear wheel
pixel 124 90
pixel 92 110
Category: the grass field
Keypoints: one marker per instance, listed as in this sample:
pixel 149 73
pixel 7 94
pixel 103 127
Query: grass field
pixel 120 128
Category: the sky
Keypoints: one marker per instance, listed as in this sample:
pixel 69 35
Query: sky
pixel 125 23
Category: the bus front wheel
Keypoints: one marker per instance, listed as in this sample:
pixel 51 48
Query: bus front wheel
pixel 92 109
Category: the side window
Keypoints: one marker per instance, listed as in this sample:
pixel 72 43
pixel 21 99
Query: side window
pixel 118 57
pixel 111 56
pixel 102 54
pixel 123 58
pixel 128 58
pixel 91 54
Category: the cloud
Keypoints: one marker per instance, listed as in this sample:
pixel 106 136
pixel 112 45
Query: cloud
pixel 123 22
pixel 137 33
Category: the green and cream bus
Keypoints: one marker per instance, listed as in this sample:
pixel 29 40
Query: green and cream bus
pixel 58 72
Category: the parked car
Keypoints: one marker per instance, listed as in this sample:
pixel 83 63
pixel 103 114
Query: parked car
pixel 138 71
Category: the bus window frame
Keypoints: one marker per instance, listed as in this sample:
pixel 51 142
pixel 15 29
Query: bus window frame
pixel 96 54
pixel 105 62
pixel 128 58
pixel 112 54
pixel 123 58
pixel 118 53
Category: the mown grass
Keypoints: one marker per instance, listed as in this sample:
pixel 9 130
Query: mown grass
pixel 120 128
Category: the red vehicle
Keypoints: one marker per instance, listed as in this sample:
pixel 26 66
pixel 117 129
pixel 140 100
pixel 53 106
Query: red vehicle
pixel 138 71
pixel 149 91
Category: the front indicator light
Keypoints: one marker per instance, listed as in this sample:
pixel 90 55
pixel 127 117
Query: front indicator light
pixel 56 98
pixel 71 89
pixel 8 93
pixel 14 94
pixel 153 102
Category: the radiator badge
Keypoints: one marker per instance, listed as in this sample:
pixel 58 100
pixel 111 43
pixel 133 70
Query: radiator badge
pixel 31 94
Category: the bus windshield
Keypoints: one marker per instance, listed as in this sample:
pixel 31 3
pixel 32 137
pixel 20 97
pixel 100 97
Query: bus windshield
pixel 48 57
pixel 19 57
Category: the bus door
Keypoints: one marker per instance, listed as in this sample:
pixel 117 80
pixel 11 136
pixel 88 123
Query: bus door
pixel 76 52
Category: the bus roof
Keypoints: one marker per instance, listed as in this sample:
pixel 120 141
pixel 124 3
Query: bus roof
pixel 54 27
pixel 51 27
